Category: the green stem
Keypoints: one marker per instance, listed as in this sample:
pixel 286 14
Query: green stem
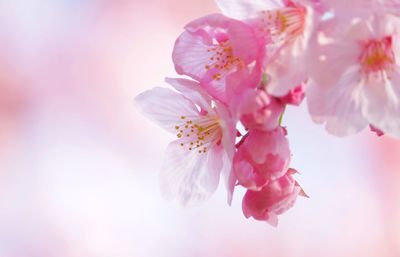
pixel 265 79
pixel 281 117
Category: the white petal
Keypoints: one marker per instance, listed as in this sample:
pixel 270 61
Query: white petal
pixel 242 9
pixel 188 176
pixel 165 107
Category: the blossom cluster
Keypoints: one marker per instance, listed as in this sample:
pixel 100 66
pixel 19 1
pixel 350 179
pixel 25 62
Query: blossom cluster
pixel 244 66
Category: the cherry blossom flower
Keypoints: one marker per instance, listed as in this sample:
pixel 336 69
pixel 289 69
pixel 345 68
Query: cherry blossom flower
pixel 262 157
pixel 274 199
pixel 355 75
pixel 205 141
pixel 247 67
pixel 222 53
pixel 244 68
pixel 287 24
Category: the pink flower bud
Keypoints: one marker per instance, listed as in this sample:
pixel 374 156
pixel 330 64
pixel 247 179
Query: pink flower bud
pixel 263 156
pixel 274 199
pixel 260 111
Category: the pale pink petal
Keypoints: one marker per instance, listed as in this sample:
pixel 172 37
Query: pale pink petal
pixel 332 52
pixel 228 125
pixel 340 106
pixel 216 88
pixel 272 219
pixel 392 6
pixel 165 107
pixel 193 91
pixel 287 71
pixel 286 63
pixel 334 91
pixel 383 104
pixel 354 9
pixel 327 63
pixel 190 177
pixel 228 176
pixel 191 54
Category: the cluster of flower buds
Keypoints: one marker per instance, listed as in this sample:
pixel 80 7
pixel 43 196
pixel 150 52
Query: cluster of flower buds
pixel 245 66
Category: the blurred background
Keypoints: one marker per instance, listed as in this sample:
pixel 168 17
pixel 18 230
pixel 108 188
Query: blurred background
pixel 79 164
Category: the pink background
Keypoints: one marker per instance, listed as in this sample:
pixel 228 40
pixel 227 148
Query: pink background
pixel 79 164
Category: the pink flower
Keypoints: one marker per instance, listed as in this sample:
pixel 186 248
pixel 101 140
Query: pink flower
pixel 260 111
pixel 205 140
pixel 262 157
pixel 274 199
pixel 355 75
pixel 222 53
pixel 287 25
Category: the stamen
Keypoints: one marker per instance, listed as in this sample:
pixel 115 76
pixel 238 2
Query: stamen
pixel 222 60
pixel 377 55
pixel 285 24
pixel 203 132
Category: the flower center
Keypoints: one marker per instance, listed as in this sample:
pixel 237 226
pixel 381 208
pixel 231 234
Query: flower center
pixel 222 59
pixel 199 132
pixel 377 55
pixel 285 24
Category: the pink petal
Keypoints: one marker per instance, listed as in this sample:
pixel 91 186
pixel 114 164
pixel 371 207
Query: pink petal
pixel 238 83
pixel 260 111
pixel 295 96
pixel 261 144
pixel 274 199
